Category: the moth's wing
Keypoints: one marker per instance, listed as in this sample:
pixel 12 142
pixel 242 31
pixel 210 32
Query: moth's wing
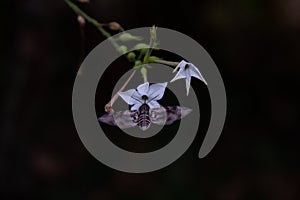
pixel 158 115
pixel 126 119
pixel 175 113
pixel 107 119
pixel 122 119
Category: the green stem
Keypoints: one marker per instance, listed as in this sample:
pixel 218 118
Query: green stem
pixel 151 43
pixel 108 106
pixel 169 63
pixel 91 20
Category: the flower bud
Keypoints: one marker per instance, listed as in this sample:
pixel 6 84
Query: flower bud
pixel 153 30
pixel 137 64
pixel 108 108
pixel 131 56
pixel 84 1
pixel 81 21
pixel 115 26
pixel 122 49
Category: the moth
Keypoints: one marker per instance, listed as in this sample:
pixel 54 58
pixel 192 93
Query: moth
pixel 144 116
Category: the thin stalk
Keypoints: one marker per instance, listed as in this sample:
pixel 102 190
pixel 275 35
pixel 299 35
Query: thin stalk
pixel 94 22
pixel 108 106
pixel 151 43
pixel 78 11
pixel 169 63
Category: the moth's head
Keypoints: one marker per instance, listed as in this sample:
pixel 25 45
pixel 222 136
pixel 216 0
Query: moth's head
pixel 145 97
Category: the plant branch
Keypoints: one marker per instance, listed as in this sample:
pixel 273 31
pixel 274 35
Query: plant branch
pixel 169 63
pixel 108 106
pixel 91 20
pixel 99 26
pixel 151 43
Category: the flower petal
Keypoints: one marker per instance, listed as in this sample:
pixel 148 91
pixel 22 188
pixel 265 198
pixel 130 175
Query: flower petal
pixel 181 65
pixel 156 91
pixel 136 106
pixel 181 74
pixel 137 97
pixel 185 111
pixel 188 82
pixel 154 104
pixel 127 96
pixel 196 73
pixel 143 88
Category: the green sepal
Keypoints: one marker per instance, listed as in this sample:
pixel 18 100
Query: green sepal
pixel 126 37
pixel 137 64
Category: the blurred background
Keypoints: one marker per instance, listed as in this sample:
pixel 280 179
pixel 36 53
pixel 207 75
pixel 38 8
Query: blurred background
pixel 255 44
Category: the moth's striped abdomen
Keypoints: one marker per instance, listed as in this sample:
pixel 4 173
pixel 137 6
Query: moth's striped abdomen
pixel 143 117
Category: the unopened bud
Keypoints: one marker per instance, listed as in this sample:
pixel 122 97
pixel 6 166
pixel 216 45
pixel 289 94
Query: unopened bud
pixel 115 26
pixel 84 1
pixel 153 30
pixel 137 64
pixel 131 56
pixel 81 20
pixel 122 49
pixel 108 108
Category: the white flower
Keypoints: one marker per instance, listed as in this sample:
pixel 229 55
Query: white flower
pixel 187 70
pixel 144 93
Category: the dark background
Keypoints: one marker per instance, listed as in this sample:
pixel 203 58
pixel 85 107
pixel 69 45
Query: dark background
pixel 255 45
